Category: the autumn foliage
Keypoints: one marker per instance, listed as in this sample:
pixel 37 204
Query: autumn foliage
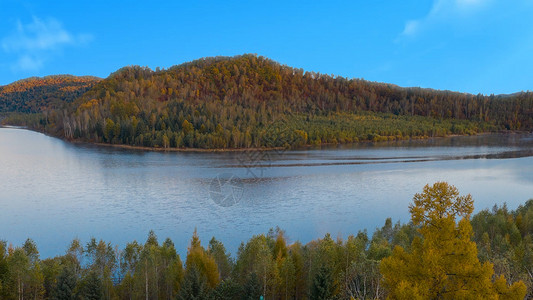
pixel 434 257
pixel 250 101
pixel 443 263
pixel 36 94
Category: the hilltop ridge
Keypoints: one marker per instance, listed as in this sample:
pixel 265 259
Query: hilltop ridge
pixel 250 101
pixel 35 94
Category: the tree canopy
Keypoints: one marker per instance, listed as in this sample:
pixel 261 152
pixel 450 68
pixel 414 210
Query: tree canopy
pixel 433 257
pixel 251 101
pixel 36 94
pixel 443 262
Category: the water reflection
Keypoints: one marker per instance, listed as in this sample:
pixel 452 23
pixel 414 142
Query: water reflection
pixel 54 191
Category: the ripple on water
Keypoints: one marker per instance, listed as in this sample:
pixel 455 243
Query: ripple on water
pixel 54 191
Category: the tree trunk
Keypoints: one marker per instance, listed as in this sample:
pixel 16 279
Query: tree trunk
pixel 146 277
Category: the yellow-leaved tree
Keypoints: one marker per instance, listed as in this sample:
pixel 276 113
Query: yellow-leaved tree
pixel 443 262
pixel 202 261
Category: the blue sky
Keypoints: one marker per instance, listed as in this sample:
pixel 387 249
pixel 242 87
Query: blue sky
pixel 475 46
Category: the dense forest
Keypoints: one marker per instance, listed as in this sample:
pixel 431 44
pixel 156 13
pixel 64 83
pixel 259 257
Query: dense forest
pixel 250 101
pixel 443 253
pixel 36 95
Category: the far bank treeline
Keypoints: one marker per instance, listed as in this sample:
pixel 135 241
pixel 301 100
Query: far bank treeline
pixel 249 101
pixel 35 95
pixel 444 253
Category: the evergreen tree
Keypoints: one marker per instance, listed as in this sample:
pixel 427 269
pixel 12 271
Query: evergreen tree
pixel 323 287
pixel 227 290
pixel 194 286
pixel 222 258
pixel 91 288
pixel 172 269
pixel 4 271
pixel 252 288
pixel 65 286
pixel 249 101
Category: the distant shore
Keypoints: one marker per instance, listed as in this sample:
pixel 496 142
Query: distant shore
pixel 17 127
pixel 161 149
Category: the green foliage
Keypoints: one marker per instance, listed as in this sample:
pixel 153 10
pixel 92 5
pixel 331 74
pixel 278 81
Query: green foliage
pixel 505 238
pixel 19 271
pixel 443 263
pixel 52 268
pixel 65 288
pixel 322 287
pixel 195 286
pixel 252 288
pixel 434 252
pixel 91 287
pixel 249 101
pixel 33 120
pixel 34 95
pixel 222 258
pixel 153 270
pixel 202 261
pixel 228 290
pixel 4 269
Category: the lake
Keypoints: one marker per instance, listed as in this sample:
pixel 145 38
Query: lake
pixel 54 191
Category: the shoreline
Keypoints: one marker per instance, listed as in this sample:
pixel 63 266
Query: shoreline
pixel 143 148
pixel 303 147
pixel 202 150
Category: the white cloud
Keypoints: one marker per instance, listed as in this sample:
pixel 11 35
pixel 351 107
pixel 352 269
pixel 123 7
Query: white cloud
pixel 411 27
pixel 34 43
pixel 470 2
pixel 28 63
pixel 443 11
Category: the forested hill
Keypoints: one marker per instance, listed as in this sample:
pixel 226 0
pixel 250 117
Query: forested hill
pixel 250 101
pixel 37 94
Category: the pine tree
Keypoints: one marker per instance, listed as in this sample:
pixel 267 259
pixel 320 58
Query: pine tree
pixel 252 288
pixel 227 290
pixel 92 287
pixel 194 286
pixel 323 287
pixel 65 286
pixel 444 263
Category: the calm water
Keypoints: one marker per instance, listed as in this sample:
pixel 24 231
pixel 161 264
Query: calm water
pixel 53 191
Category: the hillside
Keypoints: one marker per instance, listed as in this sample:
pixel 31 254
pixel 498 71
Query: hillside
pixel 250 101
pixel 35 94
